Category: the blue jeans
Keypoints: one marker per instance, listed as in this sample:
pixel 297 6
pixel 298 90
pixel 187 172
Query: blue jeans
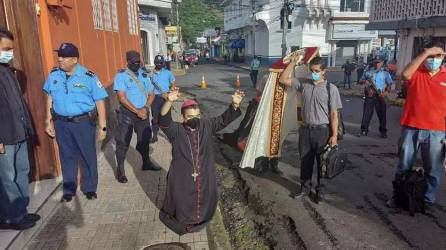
pixel 431 144
pixel 348 79
pixel 14 194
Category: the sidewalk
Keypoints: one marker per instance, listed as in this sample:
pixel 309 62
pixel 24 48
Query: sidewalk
pixel 125 216
pixel 358 91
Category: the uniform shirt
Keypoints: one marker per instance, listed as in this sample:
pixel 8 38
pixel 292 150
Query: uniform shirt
pixel 76 94
pixel 255 64
pixel 315 101
pixel 425 106
pixel 162 79
pixel 380 78
pixel 125 83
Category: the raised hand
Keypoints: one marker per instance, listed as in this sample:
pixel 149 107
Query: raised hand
pixel 237 97
pixel 173 94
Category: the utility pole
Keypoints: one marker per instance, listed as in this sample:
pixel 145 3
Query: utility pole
pixel 285 27
pixel 253 5
pixel 180 43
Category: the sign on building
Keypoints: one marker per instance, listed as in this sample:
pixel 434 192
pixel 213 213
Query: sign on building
pixel 352 32
pixel 201 40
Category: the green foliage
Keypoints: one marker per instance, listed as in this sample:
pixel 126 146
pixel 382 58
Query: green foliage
pixel 196 16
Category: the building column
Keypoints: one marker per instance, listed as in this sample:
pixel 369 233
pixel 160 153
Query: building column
pixel 329 56
pixel 333 54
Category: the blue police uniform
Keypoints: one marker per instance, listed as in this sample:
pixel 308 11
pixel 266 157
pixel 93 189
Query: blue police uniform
pixel 74 101
pixel 162 81
pixel 137 88
pixel 381 79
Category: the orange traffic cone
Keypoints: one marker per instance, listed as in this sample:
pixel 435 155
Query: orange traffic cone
pixel 237 82
pixel 203 83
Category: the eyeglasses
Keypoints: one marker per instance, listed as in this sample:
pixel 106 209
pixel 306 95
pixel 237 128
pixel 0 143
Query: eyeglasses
pixel 188 117
pixel 316 71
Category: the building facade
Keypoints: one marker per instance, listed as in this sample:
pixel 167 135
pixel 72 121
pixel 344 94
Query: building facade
pixel 417 22
pixel 337 27
pixel 102 30
pixel 154 17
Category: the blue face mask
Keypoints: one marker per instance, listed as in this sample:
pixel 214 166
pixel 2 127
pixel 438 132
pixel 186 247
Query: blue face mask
pixel 433 64
pixel 315 76
pixel 6 56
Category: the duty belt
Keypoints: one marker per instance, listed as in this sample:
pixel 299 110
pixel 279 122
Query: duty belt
pixel 90 116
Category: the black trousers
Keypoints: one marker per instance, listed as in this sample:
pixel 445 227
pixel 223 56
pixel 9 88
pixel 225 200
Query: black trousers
pixel 157 104
pixel 312 139
pixel 374 103
pixel 127 122
pixel 253 75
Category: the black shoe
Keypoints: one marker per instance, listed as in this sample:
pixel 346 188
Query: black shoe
pixel 363 133
pixel 33 217
pixel 150 166
pixel 384 135
pixel 22 225
pixel 67 198
pixel 428 206
pixel 123 179
pixel 91 195
pixel 302 190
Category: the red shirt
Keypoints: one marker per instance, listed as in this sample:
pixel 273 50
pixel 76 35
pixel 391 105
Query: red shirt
pixel 425 106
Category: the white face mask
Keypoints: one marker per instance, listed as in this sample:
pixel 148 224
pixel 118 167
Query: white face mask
pixel 6 56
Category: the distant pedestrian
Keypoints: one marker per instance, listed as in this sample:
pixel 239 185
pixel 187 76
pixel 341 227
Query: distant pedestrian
pixel 75 105
pixel 348 69
pixel 16 128
pixel 255 65
pixel 424 118
pixel 168 60
pixel 377 83
pixel 360 71
pixel 162 80
pixel 135 95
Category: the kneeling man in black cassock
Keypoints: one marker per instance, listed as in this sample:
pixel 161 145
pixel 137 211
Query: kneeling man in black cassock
pixel 191 195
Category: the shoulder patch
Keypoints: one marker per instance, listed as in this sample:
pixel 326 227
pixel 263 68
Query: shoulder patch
pixel 144 75
pixel 90 73
pixel 121 70
pixel 55 69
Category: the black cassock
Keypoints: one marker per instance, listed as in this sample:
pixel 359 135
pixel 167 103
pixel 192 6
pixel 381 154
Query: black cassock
pixel 191 195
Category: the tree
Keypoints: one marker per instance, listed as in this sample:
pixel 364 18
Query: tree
pixel 195 17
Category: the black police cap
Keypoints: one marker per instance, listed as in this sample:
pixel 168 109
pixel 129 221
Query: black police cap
pixel 67 50
pixel 159 60
pixel 133 56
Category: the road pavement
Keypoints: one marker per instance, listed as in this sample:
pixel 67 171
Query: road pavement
pixel 353 215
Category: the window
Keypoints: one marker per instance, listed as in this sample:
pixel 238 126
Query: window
pixel 352 5
pixel 132 12
pixel 97 14
pixel 107 16
pixel 114 13
pixel 282 12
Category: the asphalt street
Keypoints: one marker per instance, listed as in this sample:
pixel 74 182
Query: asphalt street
pixel 353 215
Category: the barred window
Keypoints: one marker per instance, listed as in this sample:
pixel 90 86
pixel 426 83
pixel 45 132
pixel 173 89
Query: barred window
pixel 97 14
pixel 131 13
pixel 114 13
pixel 107 15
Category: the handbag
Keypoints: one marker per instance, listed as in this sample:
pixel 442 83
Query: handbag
pixel 332 162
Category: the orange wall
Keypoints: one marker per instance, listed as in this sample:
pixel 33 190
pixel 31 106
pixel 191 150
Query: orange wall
pixel 102 52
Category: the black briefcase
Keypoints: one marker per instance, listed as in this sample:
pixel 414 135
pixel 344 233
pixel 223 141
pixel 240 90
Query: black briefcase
pixel 332 162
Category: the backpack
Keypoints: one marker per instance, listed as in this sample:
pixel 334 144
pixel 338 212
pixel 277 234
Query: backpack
pixel 409 190
pixel 341 126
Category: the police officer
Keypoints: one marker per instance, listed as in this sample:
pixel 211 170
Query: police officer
pixel 163 80
pixel 135 94
pixel 75 104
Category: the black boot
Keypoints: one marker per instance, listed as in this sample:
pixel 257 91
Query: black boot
pixel 302 190
pixel 121 175
pixel 148 165
pixel 274 165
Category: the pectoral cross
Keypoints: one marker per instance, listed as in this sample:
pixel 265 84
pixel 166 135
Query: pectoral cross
pixel 195 175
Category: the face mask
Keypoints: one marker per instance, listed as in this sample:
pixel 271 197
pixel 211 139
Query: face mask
pixel 315 76
pixel 433 64
pixel 134 67
pixel 193 123
pixel 6 56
